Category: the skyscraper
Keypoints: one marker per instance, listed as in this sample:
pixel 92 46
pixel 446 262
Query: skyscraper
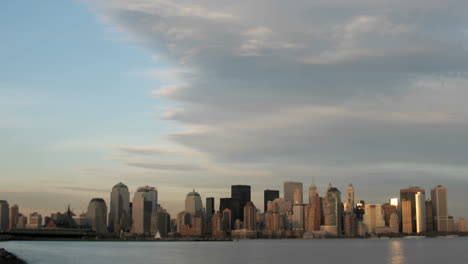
pixel 119 215
pixel 250 214
pixel 409 194
pixel 406 215
pixel 241 193
pixel 14 213
pixel 210 207
pixel 289 188
pixel 193 204
pixel 440 208
pixel 333 210
pixel 234 208
pixel 388 209
pixel 145 202
pixel 374 217
pixel 4 215
pixel 420 212
pixel 429 217
pixel 350 198
pixel 97 214
pixel 35 220
pixel 314 210
pixel 269 195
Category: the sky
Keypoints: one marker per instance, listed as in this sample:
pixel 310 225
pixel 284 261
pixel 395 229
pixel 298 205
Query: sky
pixel 205 94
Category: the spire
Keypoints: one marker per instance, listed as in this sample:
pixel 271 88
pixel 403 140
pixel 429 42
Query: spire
pixel 329 186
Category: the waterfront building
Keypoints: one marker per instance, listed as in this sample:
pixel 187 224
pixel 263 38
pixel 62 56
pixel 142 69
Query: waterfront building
pixel 451 224
pixel 183 218
pixel 22 221
pixel 289 188
pixel 242 194
pixel 97 214
pixel 429 216
pixel 461 225
pixel 440 208
pixel 333 210
pixel 210 207
pixel 409 194
pixel 350 224
pixel 314 210
pixel 194 228
pixel 272 221
pixel 250 216
pixel 143 205
pixel 35 220
pixel 163 223
pixel 420 213
pixel 374 217
pixel 119 215
pixel 13 216
pixel 406 215
pixel 389 210
pixel 4 215
pixel 297 222
pixel 281 206
pixel 269 195
pixel 227 220
pixel 360 210
pixel 193 204
pixel 217 225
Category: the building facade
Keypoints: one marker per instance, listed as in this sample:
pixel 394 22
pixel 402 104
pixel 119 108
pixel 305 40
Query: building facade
pixel 119 210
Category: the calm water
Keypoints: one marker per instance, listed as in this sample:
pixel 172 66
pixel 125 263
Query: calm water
pixel 365 251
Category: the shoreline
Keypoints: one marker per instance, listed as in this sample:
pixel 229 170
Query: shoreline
pixel 7 257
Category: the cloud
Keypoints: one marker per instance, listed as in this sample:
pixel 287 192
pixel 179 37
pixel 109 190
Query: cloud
pixel 162 166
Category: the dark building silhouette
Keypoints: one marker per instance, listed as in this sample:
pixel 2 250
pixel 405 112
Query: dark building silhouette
pixel 269 195
pixel 234 207
pixel 209 207
pixel 241 193
pixel 429 217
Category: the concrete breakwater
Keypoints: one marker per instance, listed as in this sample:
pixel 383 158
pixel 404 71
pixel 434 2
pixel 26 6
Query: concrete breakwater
pixel 9 258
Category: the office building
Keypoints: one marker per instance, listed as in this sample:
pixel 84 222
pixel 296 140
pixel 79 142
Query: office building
pixel 35 220
pixel 314 210
pixel 269 195
pixel 4 215
pixel 289 189
pixel 409 194
pixel 440 208
pixel 242 194
pixel 145 202
pixel 374 217
pixel 14 213
pixel 429 216
pixel 193 204
pixel 234 207
pixel 250 216
pixel 210 207
pixel 350 200
pixel 97 214
pixel 119 215
pixel 420 213
pixel 333 210
pixel 406 215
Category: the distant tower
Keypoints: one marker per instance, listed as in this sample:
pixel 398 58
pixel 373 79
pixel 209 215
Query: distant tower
pixel 269 195
pixel 14 213
pixel 119 215
pixel 333 210
pixel 350 198
pixel 241 193
pixel 210 207
pixel 440 208
pixel 227 219
pixel 97 214
pixel 4 215
pixel 314 210
pixel 420 213
pixel 145 202
pixel 193 204
pixel 250 213
pixel 407 223
pixel 429 217
pixel 374 217
pixel 234 208
pixel 409 194
pixel 289 188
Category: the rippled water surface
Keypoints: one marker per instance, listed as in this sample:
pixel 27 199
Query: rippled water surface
pixel 362 251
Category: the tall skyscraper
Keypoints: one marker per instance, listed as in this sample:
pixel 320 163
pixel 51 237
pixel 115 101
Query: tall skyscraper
pixel 119 215
pixel 269 195
pixel 234 208
pixel 145 202
pixel 350 198
pixel 440 208
pixel 420 213
pixel 97 214
pixel 228 223
pixel 333 210
pixel 289 188
pixel 4 215
pixel 210 207
pixel 35 220
pixel 250 214
pixel 193 204
pixel 406 215
pixel 241 193
pixel 409 194
pixel 298 217
pixel 314 210
pixel 14 213
pixel 429 217
pixel 374 217
pixel 389 209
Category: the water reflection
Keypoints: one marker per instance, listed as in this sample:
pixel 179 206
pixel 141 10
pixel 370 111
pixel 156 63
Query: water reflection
pixel 397 255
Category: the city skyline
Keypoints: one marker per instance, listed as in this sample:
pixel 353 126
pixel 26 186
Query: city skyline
pixel 182 95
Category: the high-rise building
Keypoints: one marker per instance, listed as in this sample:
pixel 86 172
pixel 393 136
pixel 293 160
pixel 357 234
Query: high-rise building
pixel 269 195
pixel 333 210
pixel 350 200
pixel 374 217
pixel 163 223
pixel 289 188
pixel 388 209
pixel 14 213
pixel 314 210
pixel 4 215
pixel 360 209
pixel 119 215
pixel 217 225
pixel 406 215
pixel 250 214
pixel 298 217
pixel 210 207
pixel 440 208
pixel 429 216
pixel 241 193
pixel 410 195
pixel 145 202
pixel 281 206
pixel 35 220
pixel 234 208
pixel 97 214
pixel 22 221
pixel 350 224
pixel 461 225
pixel 193 204
pixel 420 213
pixel 227 220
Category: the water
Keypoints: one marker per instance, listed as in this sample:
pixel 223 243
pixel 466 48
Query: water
pixel 363 251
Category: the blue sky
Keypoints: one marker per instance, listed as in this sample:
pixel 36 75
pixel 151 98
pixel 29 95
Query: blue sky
pixel 182 94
